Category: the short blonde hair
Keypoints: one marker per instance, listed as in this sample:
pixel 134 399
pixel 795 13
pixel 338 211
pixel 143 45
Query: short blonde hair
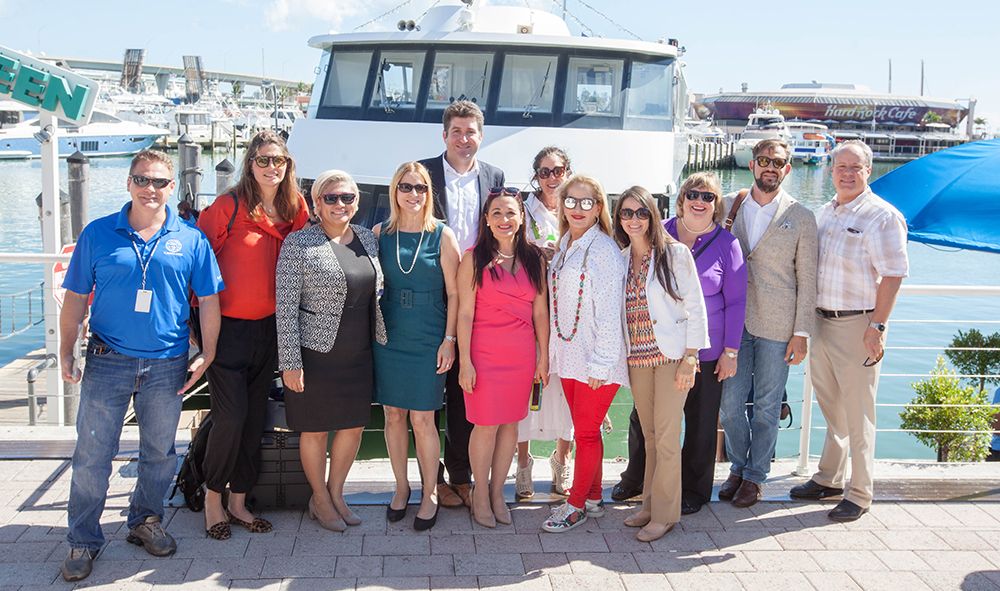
pixel 429 223
pixel 603 219
pixel 331 177
pixel 702 180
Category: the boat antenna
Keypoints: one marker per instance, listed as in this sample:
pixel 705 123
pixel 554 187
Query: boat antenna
pixel 587 31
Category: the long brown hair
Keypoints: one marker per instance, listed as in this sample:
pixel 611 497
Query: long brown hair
pixel 655 234
pixel 527 253
pixel 287 202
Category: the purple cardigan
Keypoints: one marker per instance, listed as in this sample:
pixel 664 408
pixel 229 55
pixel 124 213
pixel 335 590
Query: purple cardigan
pixel 724 283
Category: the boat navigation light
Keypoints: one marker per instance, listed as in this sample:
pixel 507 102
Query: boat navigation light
pixel 43 135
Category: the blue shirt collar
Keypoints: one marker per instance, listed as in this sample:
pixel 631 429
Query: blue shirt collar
pixel 172 223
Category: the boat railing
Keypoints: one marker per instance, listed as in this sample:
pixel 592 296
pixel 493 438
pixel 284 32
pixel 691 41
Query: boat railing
pixel 21 311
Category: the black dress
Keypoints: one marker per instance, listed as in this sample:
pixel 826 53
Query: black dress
pixel 339 384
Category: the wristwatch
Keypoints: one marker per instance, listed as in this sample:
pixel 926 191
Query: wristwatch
pixel 451 338
pixel 879 326
pixel 691 360
pixel 731 354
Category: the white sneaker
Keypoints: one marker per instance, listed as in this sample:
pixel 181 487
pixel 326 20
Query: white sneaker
pixel 561 480
pixel 524 487
pixel 594 508
pixel 564 518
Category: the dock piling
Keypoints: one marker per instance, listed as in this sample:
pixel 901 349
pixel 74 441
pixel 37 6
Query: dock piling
pixel 224 172
pixel 190 176
pixel 79 191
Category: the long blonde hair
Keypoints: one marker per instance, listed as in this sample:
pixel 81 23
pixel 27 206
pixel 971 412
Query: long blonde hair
pixel 429 223
pixel 603 219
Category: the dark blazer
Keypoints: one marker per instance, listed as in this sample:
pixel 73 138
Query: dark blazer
pixel 490 177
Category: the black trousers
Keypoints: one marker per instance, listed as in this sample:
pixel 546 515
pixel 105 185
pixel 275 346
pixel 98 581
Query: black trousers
pixel 239 380
pixel 456 432
pixel 635 470
pixel 701 424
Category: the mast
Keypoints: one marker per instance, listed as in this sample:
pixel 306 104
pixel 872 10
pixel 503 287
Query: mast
pixel 890 75
pixel 921 77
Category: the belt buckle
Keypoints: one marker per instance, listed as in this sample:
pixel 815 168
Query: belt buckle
pixel 406 298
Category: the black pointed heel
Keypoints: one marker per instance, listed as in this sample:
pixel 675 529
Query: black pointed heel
pixel 425 524
pixel 394 515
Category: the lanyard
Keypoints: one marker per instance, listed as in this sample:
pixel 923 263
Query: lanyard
pixel 144 265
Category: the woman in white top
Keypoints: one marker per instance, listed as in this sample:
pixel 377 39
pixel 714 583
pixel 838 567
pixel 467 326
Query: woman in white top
pixel 586 345
pixel 665 326
pixel 551 420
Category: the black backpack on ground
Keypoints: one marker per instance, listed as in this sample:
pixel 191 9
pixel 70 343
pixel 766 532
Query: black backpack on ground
pixel 191 478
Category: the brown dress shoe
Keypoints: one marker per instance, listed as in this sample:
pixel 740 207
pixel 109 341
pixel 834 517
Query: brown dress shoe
pixel 747 495
pixel 447 497
pixel 729 487
pixel 464 492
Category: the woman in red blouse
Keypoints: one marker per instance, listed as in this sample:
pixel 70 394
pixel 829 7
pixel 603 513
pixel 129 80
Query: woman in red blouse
pixel 246 227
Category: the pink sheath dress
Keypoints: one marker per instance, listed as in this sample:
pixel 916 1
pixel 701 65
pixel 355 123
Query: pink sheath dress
pixel 502 349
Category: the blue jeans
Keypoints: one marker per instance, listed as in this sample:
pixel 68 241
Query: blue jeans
pixel 110 381
pixel 750 442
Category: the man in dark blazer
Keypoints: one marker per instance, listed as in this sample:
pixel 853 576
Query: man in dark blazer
pixel 461 183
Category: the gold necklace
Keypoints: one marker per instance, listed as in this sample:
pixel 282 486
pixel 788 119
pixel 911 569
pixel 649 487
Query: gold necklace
pixel 711 225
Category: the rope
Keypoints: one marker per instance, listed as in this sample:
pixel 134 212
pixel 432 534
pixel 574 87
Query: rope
pixel 582 24
pixel 609 19
pixel 387 13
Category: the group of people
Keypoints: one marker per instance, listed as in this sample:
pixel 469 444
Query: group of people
pixel 519 315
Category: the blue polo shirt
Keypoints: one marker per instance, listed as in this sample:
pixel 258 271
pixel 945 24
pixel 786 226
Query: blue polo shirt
pixel 105 262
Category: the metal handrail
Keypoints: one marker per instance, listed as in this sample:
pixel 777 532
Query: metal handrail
pixel 49 361
pixel 29 295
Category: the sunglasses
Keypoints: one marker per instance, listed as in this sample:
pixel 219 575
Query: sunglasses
pixel 556 171
pixel 345 198
pixel 706 196
pixel 627 213
pixel 145 181
pixel 765 161
pixel 871 363
pixel 585 203
pixel 510 191
pixel 265 161
pixel 420 188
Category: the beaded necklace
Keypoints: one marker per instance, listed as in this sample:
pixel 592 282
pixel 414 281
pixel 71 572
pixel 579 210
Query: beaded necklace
pixel 579 298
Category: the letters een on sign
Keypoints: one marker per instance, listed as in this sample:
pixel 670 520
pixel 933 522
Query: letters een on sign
pixel 52 89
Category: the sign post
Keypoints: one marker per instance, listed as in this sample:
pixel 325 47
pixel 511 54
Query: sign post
pixel 57 93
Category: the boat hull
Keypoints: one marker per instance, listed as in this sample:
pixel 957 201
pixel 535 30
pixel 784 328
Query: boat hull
pixel 19 148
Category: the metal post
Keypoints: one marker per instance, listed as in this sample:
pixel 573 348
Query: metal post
pixel 49 361
pixel 51 245
pixel 802 468
pixel 190 174
pixel 79 191
pixel 224 172
pixel 211 141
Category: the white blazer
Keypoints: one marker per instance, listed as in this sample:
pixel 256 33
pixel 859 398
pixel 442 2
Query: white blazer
pixel 677 325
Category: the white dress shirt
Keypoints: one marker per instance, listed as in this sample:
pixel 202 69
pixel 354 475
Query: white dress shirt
pixel 598 348
pixel 462 197
pixel 757 217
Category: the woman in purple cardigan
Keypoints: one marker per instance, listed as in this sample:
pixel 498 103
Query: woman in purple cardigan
pixel 724 283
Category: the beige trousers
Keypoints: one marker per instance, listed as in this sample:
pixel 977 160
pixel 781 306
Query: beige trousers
pixel 660 406
pixel 845 390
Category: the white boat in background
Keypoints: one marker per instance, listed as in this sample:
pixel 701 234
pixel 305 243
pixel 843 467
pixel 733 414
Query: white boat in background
pixel 617 106
pixel 811 142
pixel 764 123
pixel 703 130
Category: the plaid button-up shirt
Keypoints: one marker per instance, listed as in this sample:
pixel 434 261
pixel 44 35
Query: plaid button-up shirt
pixel 859 242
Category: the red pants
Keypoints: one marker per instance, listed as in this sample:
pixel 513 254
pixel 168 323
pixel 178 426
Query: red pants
pixel 588 408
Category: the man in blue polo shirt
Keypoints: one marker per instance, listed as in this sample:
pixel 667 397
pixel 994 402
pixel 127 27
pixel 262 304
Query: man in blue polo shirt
pixel 140 264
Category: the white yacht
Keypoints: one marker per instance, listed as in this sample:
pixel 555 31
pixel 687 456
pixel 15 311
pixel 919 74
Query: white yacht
pixel 764 123
pixel 811 142
pixel 617 106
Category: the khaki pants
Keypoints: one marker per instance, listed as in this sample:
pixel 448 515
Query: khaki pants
pixel 845 390
pixel 660 406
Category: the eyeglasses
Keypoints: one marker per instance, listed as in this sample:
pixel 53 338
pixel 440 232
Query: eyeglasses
pixel 585 203
pixel 420 188
pixel 765 161
pixel 265 161
pixel 345 198
pixel 868 360
pixel 627 213
pixel 510 191
pixel 706 196
pixel 556 171
pixel 145 181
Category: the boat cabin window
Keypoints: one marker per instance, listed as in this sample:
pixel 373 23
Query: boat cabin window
pixel 528 82
pixel 460 76
pixel 650 89
pixel 594 87
pixel 99 117
pixel 398 79
pixel 193 119
pixel 345 86
pixel 8 118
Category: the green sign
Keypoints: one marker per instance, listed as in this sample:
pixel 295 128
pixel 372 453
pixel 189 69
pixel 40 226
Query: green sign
pixel 65 94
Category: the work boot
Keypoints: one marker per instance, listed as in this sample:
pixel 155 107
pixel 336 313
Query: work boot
pixel 78 564
pixel 747 495
pixel 150 535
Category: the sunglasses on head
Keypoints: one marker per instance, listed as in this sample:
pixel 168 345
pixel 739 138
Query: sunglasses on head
pixel 509 191
pixel 765 161
pixel 265 161
pixel 706 196
pixel 585 203
pixel 556 171
pixel 420 188
pixel 145 181
pixel 627 213
pixel 345 198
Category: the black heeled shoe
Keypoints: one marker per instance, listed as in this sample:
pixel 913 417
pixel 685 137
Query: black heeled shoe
pixel 394 515
pixel 420 524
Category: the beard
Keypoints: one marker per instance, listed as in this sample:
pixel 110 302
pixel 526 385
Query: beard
pixel 768 186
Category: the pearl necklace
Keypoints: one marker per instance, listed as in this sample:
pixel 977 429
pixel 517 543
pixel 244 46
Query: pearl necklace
pixel 711 225
pixel 416 253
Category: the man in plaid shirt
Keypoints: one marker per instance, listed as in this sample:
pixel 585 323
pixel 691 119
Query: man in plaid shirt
pixel 862 262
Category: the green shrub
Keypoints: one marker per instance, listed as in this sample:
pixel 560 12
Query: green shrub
pixel 979 363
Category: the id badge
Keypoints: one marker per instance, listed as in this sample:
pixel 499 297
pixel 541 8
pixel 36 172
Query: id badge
pixel 143 300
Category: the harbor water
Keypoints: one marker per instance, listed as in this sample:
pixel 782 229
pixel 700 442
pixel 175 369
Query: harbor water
pixel 20 183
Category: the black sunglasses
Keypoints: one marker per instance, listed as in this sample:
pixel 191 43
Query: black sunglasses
pixel 556 171
pixel 420 188
pixel 345 198
pixel 264 161
pixel 510 191
pixel 585 203
pixel 765 161
pixel 145 181
pixel 706 196
pixel 627 213
pixel 870 363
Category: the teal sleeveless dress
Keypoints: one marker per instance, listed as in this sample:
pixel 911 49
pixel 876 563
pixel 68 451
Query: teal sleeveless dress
pixel 413 306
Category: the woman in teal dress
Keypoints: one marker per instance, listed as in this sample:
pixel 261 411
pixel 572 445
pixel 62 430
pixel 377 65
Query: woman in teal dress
pixel 420 258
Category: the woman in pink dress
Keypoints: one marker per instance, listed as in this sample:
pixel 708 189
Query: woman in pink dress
pixel 503 337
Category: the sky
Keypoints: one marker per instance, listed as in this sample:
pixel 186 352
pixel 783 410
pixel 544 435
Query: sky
pixel 763 43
